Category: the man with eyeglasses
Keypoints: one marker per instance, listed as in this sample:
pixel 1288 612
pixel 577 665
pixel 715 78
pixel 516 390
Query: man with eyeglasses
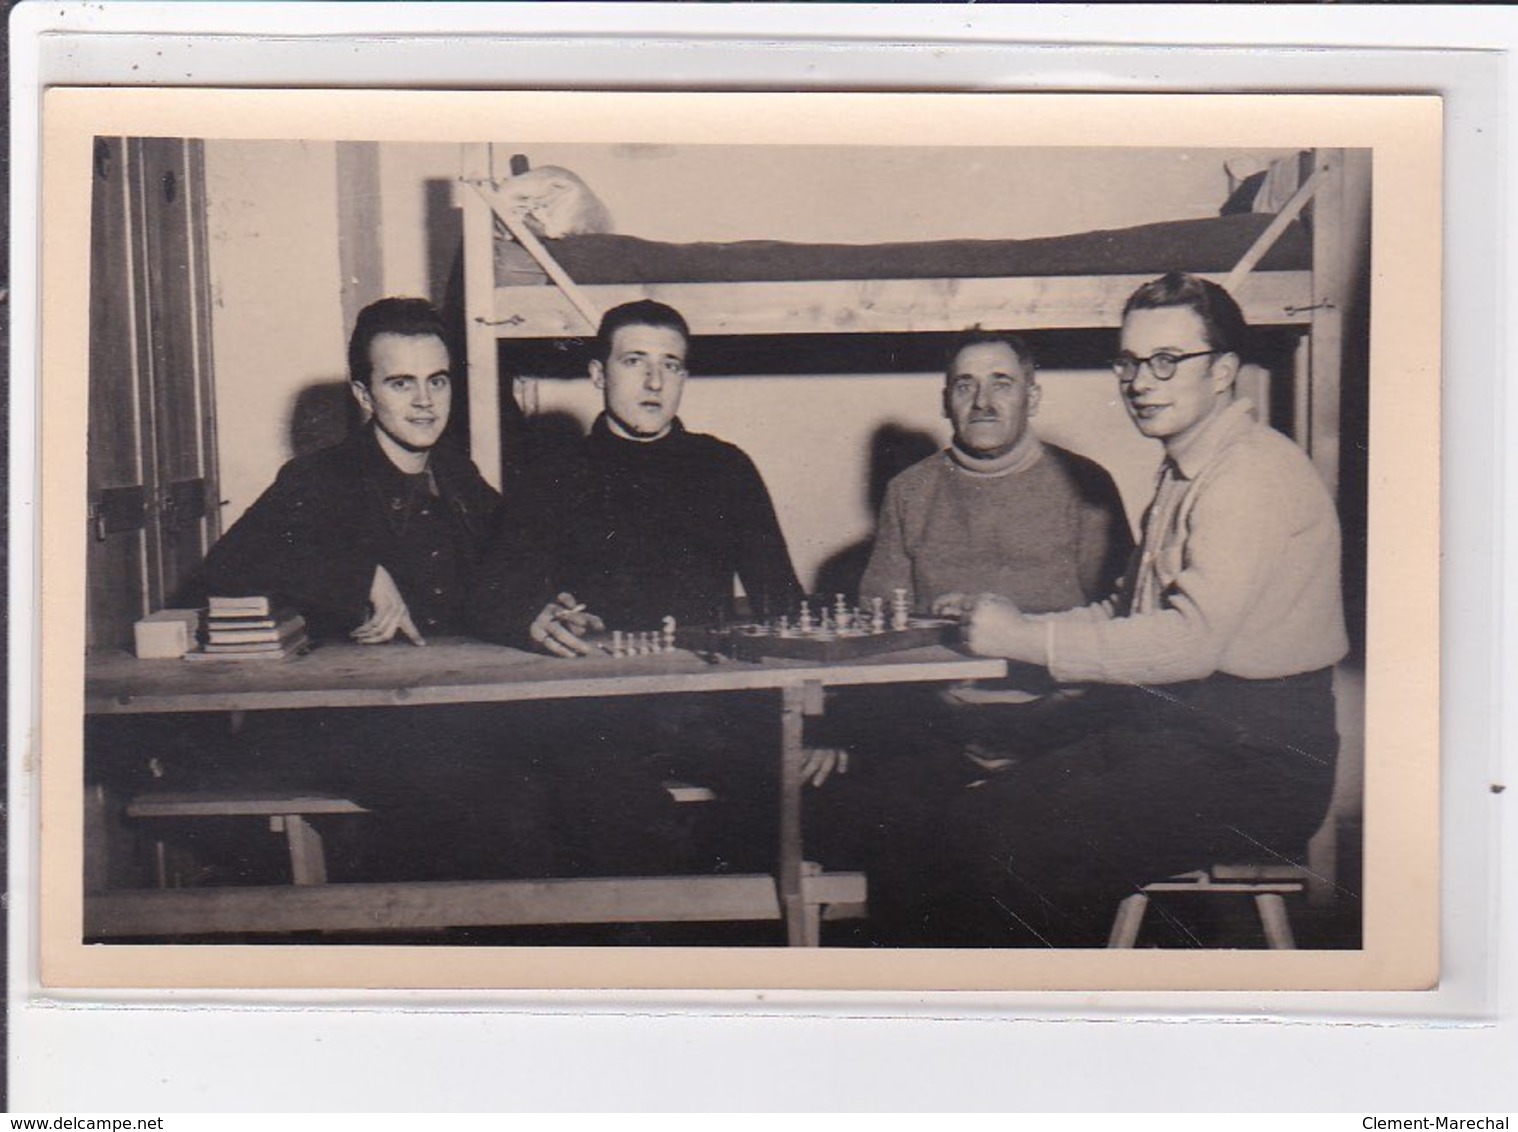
pixel 1221 641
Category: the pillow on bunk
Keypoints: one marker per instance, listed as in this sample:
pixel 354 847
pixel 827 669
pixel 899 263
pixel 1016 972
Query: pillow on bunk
pixel 1267 190
pixel 555 202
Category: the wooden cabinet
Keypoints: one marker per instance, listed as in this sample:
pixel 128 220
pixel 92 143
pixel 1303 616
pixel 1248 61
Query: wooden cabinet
pixel 152 461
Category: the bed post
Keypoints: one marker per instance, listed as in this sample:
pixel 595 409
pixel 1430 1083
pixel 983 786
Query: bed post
pixel 479 304
pixel 1340 230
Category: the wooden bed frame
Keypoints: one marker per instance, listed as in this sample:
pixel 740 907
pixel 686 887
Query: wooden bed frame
pixel 1311 301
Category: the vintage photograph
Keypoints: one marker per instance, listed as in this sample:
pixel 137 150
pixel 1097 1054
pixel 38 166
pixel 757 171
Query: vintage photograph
pixel 915 540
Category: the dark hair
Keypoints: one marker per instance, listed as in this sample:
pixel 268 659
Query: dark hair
pixel 1221 317
pixel 640 312
pixel 410 318
pixel 976 336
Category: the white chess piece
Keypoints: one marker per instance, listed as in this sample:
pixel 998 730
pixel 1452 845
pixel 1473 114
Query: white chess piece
pixel 899 610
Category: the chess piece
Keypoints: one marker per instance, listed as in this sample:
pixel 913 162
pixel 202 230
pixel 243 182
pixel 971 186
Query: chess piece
pixel 899 609
pixel 669 634
pixel 877 615
pixel 616 642
pixel 805 621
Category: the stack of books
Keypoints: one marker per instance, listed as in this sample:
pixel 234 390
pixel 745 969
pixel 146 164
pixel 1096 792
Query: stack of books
pixel 251 628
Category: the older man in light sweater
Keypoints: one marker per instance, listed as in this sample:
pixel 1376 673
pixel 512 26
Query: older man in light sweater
pixel 999 511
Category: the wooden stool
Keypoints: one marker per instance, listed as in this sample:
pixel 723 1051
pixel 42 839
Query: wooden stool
pixel 1268 884
pixel 287 814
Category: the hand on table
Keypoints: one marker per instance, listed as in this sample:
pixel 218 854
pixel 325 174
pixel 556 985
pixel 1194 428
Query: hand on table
pixel 821 763
pixel 388 614
pixel 561 626
pixel 990 625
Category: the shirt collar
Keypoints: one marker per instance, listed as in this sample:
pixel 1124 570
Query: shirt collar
pixel 1198 450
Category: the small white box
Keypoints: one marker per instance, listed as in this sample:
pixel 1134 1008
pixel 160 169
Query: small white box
pixel 167 634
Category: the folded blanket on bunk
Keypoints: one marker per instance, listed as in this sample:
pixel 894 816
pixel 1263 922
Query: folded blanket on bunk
pixel 1212 244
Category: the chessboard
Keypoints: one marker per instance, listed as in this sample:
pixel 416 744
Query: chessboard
pixel 821 644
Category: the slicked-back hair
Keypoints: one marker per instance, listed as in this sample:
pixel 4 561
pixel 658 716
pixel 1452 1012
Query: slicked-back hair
pixel 1222 320
pixel 640 312
pixel 410 318
pixel 976 336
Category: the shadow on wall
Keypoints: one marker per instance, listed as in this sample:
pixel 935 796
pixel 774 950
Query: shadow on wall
pixel 323 414
pixel 893 450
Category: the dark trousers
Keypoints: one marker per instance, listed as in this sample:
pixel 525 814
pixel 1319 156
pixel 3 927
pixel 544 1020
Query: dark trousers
pixel 1131 786
pixel 1221 769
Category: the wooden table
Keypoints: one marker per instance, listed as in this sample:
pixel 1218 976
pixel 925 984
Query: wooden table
pixel 469 672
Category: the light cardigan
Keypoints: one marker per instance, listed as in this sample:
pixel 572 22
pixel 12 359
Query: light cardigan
pixel 1246 571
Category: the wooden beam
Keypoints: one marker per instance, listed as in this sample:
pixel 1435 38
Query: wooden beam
pixel 886 306
pixel 1266 240
pixel 529 241
pixel 440 904
pixel 361 257
pixel 1330 291
pixel 484 377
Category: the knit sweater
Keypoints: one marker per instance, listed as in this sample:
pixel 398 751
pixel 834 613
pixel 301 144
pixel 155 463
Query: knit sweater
pixel 641 530
pixel 1048 532
pixel 1245 562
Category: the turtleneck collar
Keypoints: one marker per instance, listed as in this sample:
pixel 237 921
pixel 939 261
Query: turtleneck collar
pixel 601 433
pixel 1019 458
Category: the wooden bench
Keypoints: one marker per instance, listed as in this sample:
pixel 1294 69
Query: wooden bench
pixel 287 813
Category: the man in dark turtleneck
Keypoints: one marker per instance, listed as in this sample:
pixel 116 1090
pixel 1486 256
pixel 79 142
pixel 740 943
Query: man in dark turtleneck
pixel 647 521
pixel 651 521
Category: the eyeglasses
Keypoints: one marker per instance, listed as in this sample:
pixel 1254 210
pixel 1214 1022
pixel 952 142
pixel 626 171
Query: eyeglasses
pixel 1163 364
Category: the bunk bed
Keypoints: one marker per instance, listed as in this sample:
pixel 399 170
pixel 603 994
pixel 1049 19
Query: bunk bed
pixel 1284 272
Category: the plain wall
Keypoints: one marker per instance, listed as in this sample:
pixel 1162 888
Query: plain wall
pixel 277 331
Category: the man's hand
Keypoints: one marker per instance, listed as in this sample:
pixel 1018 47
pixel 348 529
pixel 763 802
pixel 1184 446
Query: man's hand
pixel 992 625
pixel 388 614
pixel 955 605
pixel 822 762
pixel 562 625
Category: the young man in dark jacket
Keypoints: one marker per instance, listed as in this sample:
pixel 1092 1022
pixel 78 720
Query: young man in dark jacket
pixel 377 539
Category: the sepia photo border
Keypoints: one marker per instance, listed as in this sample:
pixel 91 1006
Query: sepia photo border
pixel 1401 924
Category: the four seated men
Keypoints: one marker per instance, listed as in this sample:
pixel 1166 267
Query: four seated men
pixel 1215 732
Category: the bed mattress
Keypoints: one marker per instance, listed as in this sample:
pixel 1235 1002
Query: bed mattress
pixel 1209 245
